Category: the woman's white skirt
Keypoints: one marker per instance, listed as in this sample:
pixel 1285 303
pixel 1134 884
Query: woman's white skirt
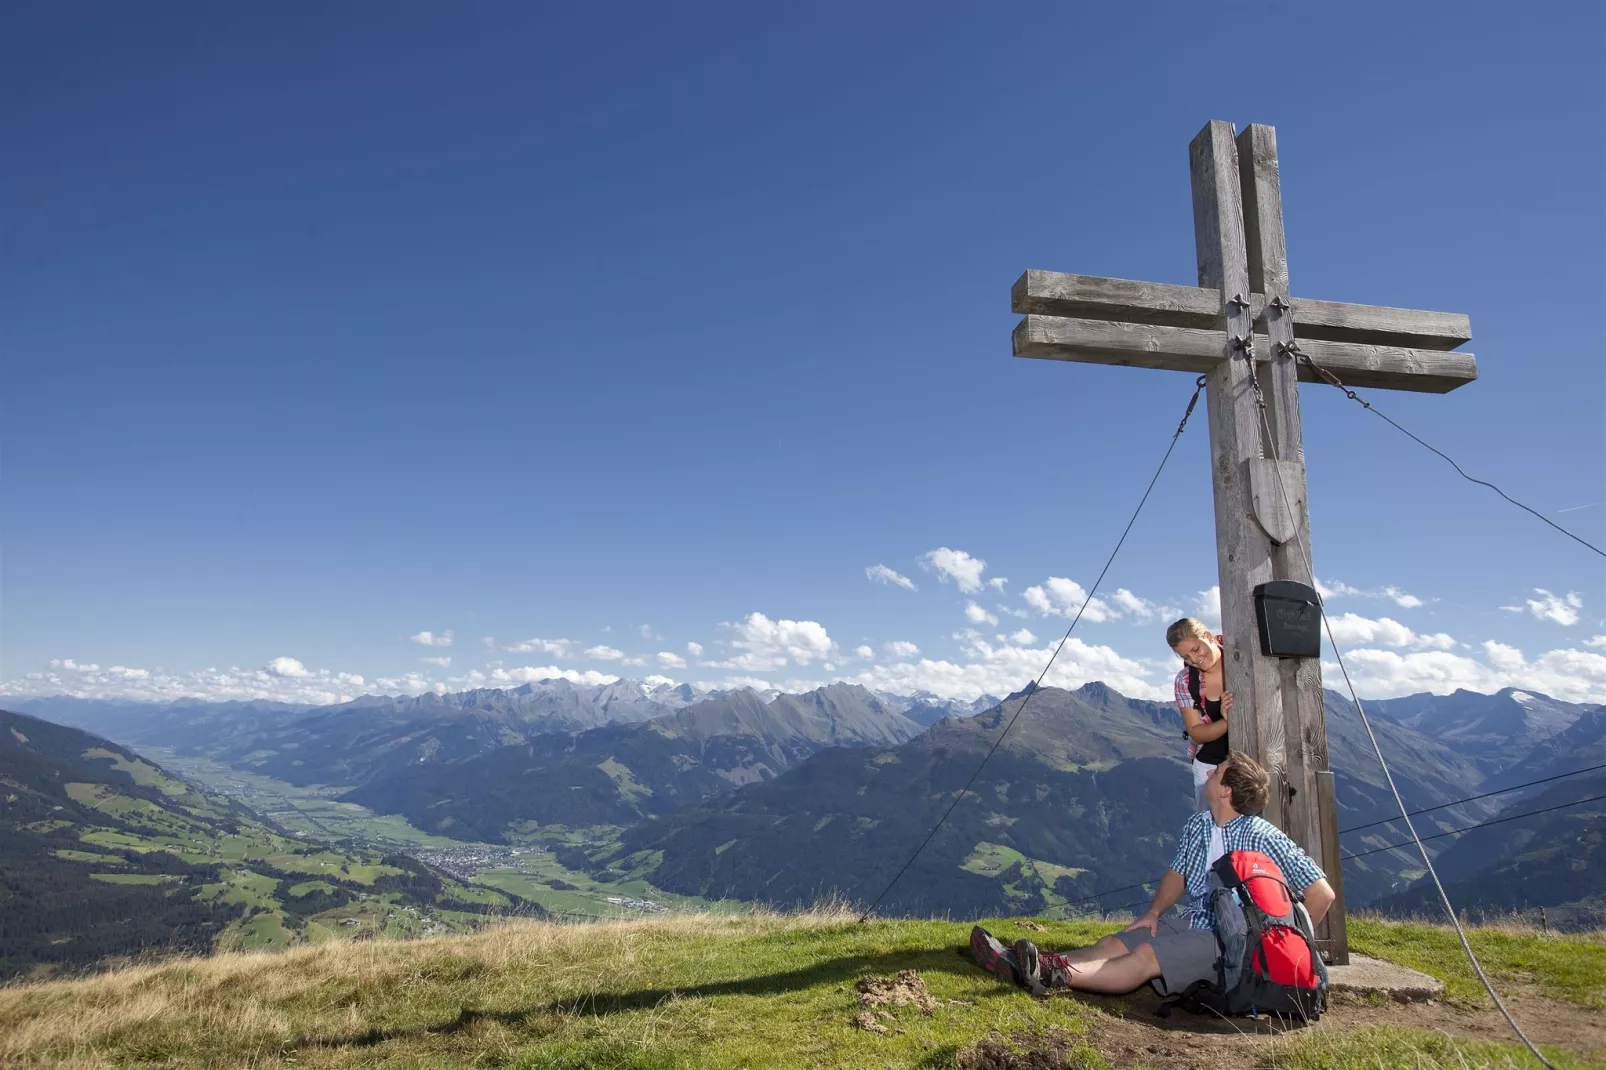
pixel 1201 773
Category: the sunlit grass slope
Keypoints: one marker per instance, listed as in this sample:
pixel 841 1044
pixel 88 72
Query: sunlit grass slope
pixel 756 990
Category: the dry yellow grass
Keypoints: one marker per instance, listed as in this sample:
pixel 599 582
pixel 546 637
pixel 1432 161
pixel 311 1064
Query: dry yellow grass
pixel 262 1000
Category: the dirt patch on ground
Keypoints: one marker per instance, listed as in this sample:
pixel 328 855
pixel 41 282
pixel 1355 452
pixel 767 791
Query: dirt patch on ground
pixel 866 1021
pixel 908 989
pixel 1129 1033
pixel 1051 1049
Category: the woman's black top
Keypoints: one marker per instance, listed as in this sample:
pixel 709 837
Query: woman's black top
pixel 1214 752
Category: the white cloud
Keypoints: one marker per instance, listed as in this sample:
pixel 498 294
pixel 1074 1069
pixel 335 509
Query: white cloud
pixel 1340 589
pixel 647 633
pixel 1023 638
pixel 1207 607
pixel 1570 675
pixel 488 641
pixel 552 648
pixel 1598 642
pixel 864 652
pixel 735 683
pixel 289 667
pixel 997 582
pixel 635 661
pixel 1557 609
pixel 900 648
pixel 765 645
pixel 1503 656
pixel 604 653
pixel 1402 599
pixel 412 683
pixel 1064 598
pixel 431 639
pixel 530 675
pixel 669 660
pixel 1336 589
pixel 1005 668
pixel 444 662
pixel 1141 609
pixel 883 574
pixel 694 649
pixel 955 565
pixel 1352 628
pixel 657 681
pixel 977 615
pixel 281 680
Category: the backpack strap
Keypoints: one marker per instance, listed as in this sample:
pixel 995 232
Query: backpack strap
pixel 1195 689
pixel 1201 997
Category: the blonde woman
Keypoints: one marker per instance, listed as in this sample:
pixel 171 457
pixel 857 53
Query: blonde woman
pixel 1202 698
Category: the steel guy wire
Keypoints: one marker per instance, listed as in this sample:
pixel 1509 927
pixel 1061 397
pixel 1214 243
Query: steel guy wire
pixel 1293 349
pixel 1269 442
pixel 1479 825
pixel 1198 387
pixel 1475 798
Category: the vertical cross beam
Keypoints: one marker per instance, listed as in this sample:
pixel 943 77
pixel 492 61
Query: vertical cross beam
pixel 1238 238
pixel 1243 552
pixel 1306 794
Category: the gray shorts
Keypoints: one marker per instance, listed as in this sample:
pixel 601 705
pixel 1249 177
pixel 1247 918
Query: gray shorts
pixel 1186 955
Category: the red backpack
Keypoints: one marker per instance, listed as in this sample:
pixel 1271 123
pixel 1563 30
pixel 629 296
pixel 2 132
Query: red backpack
pixel 1269 963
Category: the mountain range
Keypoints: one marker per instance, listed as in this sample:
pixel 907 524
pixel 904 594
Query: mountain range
pixel 351 742
pixel 1085 794
pixel 783 797
pixel 623 773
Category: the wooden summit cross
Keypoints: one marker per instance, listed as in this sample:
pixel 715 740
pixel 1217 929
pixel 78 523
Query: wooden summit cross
pixel 1209 330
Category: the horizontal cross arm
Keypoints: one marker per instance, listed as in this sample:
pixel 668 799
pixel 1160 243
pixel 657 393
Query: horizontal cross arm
pixel 1050 293
pixel 1187 349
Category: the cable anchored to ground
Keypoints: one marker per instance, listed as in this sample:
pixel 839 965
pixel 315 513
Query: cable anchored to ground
pixel 1198 388
pixel 1269 443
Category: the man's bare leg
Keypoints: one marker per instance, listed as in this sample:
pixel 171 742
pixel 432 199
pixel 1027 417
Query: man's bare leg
pixel 1118 974
pixel 1108 947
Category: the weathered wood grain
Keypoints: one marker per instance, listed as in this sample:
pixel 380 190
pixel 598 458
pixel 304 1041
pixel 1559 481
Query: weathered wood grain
pixel 1334 930
pixel 1051 293
pixel 1243 553
pixel 1277 492
pixel 1186 349
pixel 1304 715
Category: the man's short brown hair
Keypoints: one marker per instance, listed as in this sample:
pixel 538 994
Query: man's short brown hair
pixel 1248 782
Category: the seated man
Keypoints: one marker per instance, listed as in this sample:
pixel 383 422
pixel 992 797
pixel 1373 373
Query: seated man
pixel 1181 951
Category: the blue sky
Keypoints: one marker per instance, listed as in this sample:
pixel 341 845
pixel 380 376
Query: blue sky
pixel 327 326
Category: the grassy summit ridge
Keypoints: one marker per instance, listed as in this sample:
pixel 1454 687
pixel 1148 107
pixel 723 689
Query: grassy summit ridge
pixel 755 990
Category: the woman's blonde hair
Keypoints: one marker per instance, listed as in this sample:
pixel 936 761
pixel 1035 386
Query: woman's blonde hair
pixel 1187 628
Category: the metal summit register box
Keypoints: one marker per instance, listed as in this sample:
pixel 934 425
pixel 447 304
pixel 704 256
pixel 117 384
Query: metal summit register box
pixel 1289 614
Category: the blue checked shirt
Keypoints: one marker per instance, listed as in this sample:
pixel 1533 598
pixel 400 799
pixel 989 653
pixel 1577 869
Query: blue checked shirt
pixel 1243 833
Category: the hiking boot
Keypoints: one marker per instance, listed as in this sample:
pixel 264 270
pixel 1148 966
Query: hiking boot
pixel 1030 966
pixel 1053 971
pixel 994 957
